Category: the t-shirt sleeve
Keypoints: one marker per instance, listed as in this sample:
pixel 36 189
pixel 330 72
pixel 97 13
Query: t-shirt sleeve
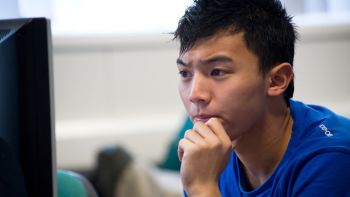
pixel 327 174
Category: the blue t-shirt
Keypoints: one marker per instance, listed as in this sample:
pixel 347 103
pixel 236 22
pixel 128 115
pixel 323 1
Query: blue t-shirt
pixel 316 163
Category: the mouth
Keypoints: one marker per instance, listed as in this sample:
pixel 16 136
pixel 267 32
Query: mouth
pixel 202 118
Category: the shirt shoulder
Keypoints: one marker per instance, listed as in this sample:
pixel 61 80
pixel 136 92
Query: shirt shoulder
pixel 312 123
pixel 317 155
pixel 322 173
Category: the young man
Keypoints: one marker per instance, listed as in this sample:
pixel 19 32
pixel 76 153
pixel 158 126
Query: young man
pixel 249 138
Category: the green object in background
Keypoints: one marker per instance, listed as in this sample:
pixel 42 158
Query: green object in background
pixel 171 160
pixel 69 185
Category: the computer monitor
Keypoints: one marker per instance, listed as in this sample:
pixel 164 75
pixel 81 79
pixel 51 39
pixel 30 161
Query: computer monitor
pixel 27 137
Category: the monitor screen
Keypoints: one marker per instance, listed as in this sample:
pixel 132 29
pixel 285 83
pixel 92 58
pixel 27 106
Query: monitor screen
pixel 27 140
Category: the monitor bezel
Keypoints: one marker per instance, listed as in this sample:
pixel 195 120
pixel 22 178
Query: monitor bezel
pixel 36 103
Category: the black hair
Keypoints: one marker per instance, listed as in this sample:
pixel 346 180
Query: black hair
pixel 268 30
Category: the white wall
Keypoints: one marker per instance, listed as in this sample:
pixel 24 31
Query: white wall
pixel 322 66
pixel 124 90
pixel 115 90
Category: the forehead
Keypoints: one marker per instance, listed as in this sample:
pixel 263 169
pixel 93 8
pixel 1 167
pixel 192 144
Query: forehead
pixel 222 44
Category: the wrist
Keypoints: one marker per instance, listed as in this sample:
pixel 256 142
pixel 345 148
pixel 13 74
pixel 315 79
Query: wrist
pixel 211 190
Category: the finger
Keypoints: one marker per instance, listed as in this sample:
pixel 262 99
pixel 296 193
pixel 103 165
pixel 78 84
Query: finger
pixel 216 126
pixel 184 144
pixel 204 131
pixel 180 151
pixel 194 137
pixel 211 132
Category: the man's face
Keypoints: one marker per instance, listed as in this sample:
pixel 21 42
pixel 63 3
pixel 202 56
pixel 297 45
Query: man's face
pixel 220 78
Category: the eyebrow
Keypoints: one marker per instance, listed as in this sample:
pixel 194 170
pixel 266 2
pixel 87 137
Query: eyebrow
pixel 217 59
pixel 180 62
pixel 210 60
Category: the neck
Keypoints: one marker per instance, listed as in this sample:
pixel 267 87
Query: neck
pixel 262 148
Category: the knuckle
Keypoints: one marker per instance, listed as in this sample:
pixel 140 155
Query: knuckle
pixel 198 125
pixel 211 120
pixel 187 133
pixel 181 142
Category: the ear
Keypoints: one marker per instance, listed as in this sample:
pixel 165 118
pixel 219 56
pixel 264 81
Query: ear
pixel 279 79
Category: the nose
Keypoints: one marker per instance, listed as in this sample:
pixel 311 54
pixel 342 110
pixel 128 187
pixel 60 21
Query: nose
pixel 199 90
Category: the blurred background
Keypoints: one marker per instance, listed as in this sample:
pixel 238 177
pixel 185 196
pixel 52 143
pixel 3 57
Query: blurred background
pixel 115 76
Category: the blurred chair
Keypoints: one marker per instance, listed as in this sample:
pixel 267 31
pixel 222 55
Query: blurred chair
pixel 72 184
pixel 111 164
pixel 118 174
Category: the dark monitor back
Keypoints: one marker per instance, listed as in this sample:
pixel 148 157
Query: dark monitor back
pixel 27 139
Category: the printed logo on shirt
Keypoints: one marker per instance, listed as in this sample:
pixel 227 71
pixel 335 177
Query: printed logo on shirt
pixel 327 132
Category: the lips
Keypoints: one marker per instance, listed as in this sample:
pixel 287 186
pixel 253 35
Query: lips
pixel 202 118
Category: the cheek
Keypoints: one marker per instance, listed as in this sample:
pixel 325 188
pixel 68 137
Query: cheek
pixel 241 104
pixel 183 94
pixel 249 89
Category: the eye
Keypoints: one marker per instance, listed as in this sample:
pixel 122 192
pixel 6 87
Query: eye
pixel 217 72
pixel 184 74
